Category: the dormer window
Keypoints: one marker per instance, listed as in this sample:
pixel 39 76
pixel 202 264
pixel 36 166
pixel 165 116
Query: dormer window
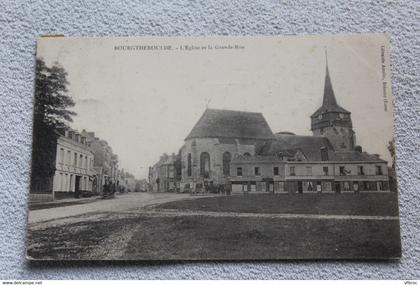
pixel 324 154
pixel 342 116
pixel 320 116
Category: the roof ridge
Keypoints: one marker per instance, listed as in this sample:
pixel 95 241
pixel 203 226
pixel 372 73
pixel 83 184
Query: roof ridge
pixel 229 110
pixel 231 124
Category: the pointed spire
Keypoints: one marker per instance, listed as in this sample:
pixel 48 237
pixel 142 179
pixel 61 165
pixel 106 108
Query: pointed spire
pixel 329 97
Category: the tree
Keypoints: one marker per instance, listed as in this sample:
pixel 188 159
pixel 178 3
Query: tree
pixel 391 149
pixel 391 170
pixel 50 117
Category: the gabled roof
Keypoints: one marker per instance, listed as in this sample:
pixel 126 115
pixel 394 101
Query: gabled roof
pixel 256 158
pixel 170 160
pixel 329 103
pixel 354 156
pixel 309 145
pixel 231 124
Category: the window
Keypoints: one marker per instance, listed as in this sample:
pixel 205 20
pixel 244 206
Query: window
pixel 61 155
pixel 239 171
pixel 247 154
pixel 379 170
pixel 275 170
pixel 379 186
pixel 75 159
pixel 61 182
pixel 189 168
pixel 205 164
pixel 66 182
pixel 308 170
pixel 366 185
pixel 342 170
pixel 292 171
pixel 257 171
pixel 281 186
pixel 328 186
pixel 325 169
pixel 309 186
pixel 346 185
pixel 356 186
pixel 360 170
pixel 68 157
pixel 324 154
pixel 71 183
pixel 86 162
pixel 80 160
pixel 226 163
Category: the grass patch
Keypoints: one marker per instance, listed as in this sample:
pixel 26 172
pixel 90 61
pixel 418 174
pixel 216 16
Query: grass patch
pixel 205 237
pixel 72 241
pixel 369 204
pixel 230 238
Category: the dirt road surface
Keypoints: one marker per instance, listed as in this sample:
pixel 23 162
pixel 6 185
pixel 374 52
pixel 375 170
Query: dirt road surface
pixel 121 203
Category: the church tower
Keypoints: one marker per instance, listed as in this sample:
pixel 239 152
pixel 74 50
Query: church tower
pixel 332 121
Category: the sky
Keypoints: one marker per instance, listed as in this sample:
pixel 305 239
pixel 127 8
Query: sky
pixel 144 101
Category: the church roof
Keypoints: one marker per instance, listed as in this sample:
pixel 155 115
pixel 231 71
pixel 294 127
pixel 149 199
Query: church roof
pixel 329 103
pixel 231 124
pixel 309 145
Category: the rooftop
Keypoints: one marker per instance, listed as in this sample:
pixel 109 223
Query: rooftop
pixel 309 145
pixel 231 124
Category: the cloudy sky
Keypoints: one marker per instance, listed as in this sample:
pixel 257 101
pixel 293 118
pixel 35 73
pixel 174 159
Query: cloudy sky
pixel 145 102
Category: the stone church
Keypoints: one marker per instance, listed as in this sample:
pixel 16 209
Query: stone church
pixel 217 138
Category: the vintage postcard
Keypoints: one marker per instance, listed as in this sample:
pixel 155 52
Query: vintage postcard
pixel 213 148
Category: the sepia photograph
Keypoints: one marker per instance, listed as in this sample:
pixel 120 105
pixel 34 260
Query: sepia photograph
pixel 213 148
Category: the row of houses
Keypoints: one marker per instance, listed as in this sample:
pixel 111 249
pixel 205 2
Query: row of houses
pixel 165 175
pixel 84 164
pixel 237 151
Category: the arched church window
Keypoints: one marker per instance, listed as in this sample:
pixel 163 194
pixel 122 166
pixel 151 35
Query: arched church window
pixel 227 157
pixel 205 164
pixel 189 167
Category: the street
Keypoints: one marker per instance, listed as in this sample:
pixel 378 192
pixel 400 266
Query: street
pixel 121 203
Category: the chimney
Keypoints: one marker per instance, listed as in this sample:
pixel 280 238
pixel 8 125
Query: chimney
pixel 358 148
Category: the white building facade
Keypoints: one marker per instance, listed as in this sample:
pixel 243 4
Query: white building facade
pixel 74 165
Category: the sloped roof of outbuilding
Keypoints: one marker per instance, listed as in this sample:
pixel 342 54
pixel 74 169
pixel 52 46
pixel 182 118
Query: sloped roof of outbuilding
pixel 354 156
pixel 309 145
pixel 256 158
pixel 231 124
